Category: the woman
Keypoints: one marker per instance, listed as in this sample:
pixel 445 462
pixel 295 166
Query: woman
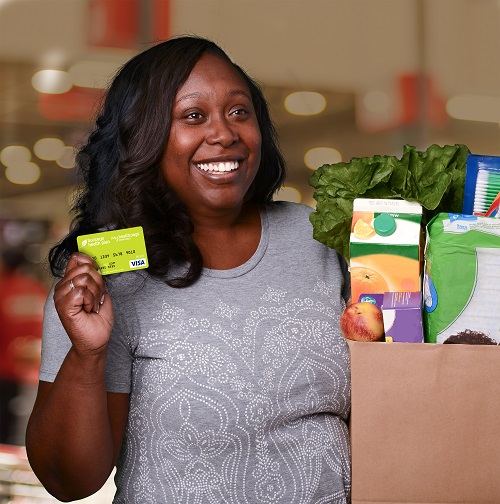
pixel 219 373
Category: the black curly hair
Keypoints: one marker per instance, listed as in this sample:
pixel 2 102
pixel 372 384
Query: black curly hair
pixel 120 164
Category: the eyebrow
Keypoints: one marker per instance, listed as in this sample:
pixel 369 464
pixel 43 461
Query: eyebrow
pixel 235 92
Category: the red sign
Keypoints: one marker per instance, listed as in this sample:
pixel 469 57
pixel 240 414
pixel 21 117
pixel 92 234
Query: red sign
pixel 127 24
pixel 420 101
pixel 78 104
pixel 160 19
pixel 409 99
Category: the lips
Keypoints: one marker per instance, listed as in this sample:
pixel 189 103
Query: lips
pixel 223 166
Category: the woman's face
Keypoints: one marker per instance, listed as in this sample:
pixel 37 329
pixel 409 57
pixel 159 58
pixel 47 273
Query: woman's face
pixel 214 147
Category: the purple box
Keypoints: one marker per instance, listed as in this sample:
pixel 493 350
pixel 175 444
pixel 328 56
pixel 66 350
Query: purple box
pixel 402 314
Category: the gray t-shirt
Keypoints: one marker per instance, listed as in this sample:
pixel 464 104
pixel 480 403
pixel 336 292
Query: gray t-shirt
pixel 239 385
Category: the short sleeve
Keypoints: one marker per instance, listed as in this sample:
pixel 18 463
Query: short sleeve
pixel 56 344
pixel 55 341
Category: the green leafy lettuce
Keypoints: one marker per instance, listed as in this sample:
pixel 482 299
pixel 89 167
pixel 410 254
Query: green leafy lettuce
pixel 435 178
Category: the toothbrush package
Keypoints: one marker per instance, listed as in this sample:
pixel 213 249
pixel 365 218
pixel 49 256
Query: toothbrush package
pixel 482 186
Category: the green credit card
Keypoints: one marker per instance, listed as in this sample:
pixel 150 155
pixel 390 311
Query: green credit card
pixel 116 251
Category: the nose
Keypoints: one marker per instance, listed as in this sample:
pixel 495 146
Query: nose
pixel 221 131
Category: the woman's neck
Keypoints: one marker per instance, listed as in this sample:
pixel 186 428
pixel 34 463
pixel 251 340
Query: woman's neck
pixel 228 240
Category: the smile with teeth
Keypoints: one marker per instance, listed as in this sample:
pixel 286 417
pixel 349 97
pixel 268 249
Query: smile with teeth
pixel 219 167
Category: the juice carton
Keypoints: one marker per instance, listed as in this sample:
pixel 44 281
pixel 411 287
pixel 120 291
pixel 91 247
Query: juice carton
pixel 402 314
pixel 385 247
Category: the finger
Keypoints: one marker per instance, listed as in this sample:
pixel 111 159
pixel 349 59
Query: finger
pixel 88 281
pixel 83 277
pixel 82 298
pixel 78 259
pixel 87 270
pixel 78 263
pixel 89 301
pixel 71 302
pixel 106 308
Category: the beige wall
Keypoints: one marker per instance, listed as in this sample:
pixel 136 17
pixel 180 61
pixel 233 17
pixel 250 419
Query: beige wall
pixel 328 44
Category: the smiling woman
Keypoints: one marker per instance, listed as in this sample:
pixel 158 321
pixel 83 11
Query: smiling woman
pixel 214 143
pixel 212 159
pixel 122 160
pixel 218 373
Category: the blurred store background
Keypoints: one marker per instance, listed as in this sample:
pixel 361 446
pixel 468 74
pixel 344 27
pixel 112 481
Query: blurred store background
pixel 344 78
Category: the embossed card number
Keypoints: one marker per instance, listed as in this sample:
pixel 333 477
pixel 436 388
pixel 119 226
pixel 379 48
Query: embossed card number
pixel 116 251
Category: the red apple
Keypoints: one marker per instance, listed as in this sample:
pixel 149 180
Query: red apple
pixel 362 322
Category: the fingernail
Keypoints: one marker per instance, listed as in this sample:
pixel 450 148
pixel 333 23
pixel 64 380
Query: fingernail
pixel 102 300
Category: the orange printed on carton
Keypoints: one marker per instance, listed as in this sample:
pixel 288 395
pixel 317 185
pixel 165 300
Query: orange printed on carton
pixel 385 247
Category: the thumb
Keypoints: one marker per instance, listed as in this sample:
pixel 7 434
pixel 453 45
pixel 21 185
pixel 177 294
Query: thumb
pixel 106 308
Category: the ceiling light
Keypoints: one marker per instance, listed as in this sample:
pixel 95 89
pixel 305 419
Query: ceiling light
pixel 67 157
pixel 474 108
pixel 288 193
pixel 15 154
pixel 318 156
pixel 23 173
pixel 51 81
pixel 93 74
pixel 305 103
pixel 48 149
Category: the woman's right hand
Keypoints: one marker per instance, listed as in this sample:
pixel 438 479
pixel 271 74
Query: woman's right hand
pixel 84 306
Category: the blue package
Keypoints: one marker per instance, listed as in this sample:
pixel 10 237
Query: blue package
pixel 482 183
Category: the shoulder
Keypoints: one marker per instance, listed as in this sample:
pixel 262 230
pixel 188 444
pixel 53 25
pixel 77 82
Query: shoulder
pixel 288 207
pixel 287 212
pixel 290 221
pixel 290 226
pixel 292 243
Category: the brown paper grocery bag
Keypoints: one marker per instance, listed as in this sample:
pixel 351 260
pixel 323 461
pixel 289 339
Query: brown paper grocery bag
pixel 425 423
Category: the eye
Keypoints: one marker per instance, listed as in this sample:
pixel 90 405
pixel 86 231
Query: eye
pixel 194 115
pixel 239 112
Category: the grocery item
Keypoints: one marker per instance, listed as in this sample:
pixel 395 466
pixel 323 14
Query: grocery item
pixel 402 313
pixel 462 278
pixel 362 322
pixel 434 178
pixel 482 185
pixel 385 257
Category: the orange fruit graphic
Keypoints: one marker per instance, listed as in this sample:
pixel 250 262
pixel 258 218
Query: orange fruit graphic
pixel 363 230
pixel 400 273
pixel 366 281
pixel 363 215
